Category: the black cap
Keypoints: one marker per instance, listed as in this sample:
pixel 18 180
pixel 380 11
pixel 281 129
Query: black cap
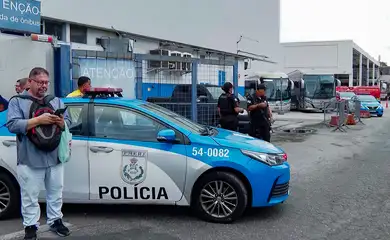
pixel 227 86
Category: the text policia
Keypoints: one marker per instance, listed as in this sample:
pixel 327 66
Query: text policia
pixel 133 193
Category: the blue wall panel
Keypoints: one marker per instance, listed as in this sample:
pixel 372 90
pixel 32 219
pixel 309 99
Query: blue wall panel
pixel 157 90
pixel 221 77
pixel 62 76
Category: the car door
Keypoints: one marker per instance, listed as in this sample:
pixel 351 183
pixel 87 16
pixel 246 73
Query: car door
pixel 76 178
pixel 128 163
pixel 8 156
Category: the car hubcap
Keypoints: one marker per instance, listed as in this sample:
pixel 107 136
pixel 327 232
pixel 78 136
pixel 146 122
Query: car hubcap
pixel 219 199
pixel 5 196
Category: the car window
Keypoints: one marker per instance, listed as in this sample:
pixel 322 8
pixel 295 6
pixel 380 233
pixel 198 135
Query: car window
pixel 347 94
pixel 120 123
pixel 75 113
pixel 366 98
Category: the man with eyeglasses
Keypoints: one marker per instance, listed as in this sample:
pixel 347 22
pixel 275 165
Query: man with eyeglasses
pixel 36 167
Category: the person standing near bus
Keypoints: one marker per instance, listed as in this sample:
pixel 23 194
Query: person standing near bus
pixel 228 108
pixel 260 114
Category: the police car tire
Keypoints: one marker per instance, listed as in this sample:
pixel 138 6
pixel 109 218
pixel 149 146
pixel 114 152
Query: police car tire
pixel 14 204
pixel 233 181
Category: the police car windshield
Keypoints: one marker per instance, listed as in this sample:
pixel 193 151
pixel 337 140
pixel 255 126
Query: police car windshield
pixel 174 118
pixel 216 91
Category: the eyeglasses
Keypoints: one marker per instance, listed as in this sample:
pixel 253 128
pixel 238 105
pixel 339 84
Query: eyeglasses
pixel 41 83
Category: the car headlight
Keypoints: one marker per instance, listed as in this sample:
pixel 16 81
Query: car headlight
pixel 267 158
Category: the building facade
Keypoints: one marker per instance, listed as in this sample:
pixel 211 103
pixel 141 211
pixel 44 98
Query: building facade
pixel 345 59
pixel 200 29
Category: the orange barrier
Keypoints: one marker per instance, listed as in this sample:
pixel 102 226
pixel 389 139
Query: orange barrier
pixel 334 120
pixel 351 119
pixel 365 114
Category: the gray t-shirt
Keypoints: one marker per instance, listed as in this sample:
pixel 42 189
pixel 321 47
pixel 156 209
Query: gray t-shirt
pixel 27 153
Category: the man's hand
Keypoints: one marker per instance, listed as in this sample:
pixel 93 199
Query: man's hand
pixel 239 110
pixel 262 105
pixel 60 121
pixel 46 119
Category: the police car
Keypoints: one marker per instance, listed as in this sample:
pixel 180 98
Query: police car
pixel 134 152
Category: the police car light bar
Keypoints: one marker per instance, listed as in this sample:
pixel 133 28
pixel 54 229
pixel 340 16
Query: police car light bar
pixel 103 92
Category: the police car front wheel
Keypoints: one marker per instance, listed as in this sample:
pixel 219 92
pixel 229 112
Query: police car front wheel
pixel 220 197
pixel 9 197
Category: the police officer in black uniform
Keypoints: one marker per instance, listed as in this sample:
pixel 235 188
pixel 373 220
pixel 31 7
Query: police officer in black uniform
pixel 260 114
pixel 228 108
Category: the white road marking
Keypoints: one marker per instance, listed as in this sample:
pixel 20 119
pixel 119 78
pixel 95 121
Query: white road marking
pixel 17 235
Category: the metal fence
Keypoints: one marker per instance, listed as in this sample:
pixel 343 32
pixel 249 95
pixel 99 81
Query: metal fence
pixel 336 113
pixel 183 84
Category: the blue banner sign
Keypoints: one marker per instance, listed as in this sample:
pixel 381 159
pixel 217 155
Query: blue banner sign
pixel 20 15
pixel 117 73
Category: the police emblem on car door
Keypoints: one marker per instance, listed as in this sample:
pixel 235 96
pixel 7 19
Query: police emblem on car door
pixel 134 166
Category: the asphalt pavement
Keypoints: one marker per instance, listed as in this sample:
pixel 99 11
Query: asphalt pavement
pixel 339 190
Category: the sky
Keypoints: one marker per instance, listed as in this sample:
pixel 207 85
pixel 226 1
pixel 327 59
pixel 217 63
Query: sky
pixel 367 23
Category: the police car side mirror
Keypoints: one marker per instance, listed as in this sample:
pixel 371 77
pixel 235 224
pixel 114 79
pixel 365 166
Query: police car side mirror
pixel 166 135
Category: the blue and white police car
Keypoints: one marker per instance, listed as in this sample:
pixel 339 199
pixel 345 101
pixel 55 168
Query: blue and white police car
pixel 134 152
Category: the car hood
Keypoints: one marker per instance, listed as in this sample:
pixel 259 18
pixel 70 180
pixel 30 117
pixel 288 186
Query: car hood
pixel 238 140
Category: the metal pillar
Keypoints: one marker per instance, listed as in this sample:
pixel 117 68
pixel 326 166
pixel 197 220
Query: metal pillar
pixel 350 81
pixel 373 74
pixel 138 75
pixel 235 76
pixel 368 72
pixel 281 99
pixel 360 69
pixel 194 81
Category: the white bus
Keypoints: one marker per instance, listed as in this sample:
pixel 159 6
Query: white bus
pixel 278 88
pixel 313 91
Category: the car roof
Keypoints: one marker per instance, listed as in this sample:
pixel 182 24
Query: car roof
pixel 131 102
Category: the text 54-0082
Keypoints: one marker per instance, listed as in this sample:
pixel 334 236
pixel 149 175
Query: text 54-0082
pixel 210 152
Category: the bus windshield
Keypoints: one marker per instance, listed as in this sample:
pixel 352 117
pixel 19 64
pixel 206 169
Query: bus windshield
pixel 319 86
pixel 277 89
